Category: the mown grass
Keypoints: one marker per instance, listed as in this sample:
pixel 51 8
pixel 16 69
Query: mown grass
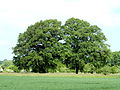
pixel 31 81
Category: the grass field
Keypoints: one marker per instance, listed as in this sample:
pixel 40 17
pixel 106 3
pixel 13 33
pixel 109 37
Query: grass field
pixel 12 81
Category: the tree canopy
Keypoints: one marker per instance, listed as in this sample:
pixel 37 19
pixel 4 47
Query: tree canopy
pixel 1 62
pixel 74 44
pixel 37 47
pixel 87 43
pixel 115 60
pixel 6 63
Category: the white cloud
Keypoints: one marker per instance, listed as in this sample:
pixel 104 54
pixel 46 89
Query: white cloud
pixel 16 15
pixel 25 12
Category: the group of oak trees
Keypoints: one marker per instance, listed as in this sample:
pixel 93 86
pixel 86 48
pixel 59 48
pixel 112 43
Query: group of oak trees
pixel 47 43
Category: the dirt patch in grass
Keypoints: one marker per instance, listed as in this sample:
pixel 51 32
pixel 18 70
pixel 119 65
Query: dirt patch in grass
pixel 60 74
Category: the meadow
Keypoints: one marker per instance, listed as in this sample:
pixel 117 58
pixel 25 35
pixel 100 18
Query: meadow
pixel 66 81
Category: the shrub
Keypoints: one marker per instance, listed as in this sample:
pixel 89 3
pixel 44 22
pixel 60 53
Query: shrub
pixel 107 70
pixel 14 68
pixel 6 64
pixel 59 68
pixel 114 69
pixel 8 70
pixel 89 68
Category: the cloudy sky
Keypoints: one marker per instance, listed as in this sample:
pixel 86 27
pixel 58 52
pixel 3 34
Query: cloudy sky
pixel 17 15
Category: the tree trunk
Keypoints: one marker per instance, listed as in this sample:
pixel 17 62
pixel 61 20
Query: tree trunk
pixel 77 68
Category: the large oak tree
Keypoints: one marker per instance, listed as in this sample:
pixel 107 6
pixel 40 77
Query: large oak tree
pixel 75 44
pixel 87 43
pixel 38 47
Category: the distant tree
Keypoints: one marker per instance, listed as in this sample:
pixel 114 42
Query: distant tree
pixel 6 63
pixel 1 62
pixel 87 43
pixel 38 48
pixel 115 60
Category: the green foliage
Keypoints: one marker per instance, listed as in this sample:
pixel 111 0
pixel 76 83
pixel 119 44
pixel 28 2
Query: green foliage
pixel 6 63
pixel 114 69
pixel 14 68
pixel 107 70
pixel 39 46
pixel 86 43
pixel 60 67
pixel 48 45
pixel 1 62
pixel 8 66
pixel 89 68
pixel 1 70
pixel 115 60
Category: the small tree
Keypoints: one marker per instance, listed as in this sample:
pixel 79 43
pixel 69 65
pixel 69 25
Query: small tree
pixel 14 68
pixel 115 60
pixel 6 63
pixel 89 68
pixel 1 62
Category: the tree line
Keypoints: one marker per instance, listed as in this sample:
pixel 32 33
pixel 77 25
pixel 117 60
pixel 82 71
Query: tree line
pixel 50 45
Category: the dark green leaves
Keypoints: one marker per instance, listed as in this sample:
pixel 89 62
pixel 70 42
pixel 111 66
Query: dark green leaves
pixel 74 44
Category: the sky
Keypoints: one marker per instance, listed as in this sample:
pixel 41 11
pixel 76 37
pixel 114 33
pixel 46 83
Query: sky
pixel 17 15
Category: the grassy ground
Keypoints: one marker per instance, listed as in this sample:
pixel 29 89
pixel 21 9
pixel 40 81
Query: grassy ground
pixel 32 81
